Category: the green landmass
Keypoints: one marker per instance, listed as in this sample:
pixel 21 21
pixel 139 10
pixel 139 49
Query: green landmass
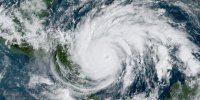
pixel 24 49
pixel 181 91
pixel 64 58
pixel 48 3
pixel 93 97
pixel 2 40
pixel 43 14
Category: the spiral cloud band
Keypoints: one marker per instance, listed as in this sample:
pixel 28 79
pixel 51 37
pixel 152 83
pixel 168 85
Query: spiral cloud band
pixel 112 45
pixel 118 49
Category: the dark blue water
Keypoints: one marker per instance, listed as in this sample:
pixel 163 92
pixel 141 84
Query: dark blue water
pixel 15 78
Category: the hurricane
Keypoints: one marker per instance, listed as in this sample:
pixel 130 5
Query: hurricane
pixel 99 49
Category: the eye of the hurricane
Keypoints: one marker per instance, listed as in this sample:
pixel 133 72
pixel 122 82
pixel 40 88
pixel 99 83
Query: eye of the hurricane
pixel 100 60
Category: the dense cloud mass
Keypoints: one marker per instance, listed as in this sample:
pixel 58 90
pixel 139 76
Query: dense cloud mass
pixel 87 49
